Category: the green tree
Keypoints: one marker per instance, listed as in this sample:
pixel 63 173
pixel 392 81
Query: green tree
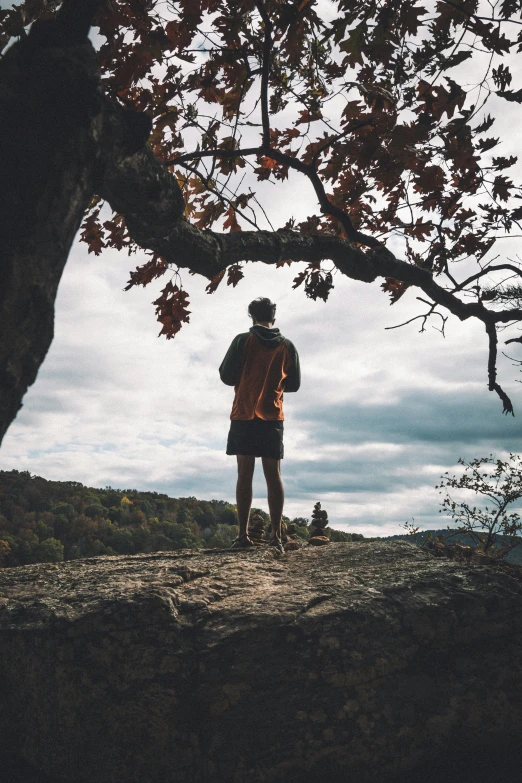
pixel 227 516
pixel 222 537
pixel 97 547
pixel 340 535
pixel 49 551
pixel 161 543
pixel 494 525
pixel 27 546
pixel 61 526
pixel 43 531
pixel 122 542
pixel 141 537
pixel 66 510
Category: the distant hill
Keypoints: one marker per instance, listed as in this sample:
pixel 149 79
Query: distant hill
pixel 515 556
pixel 51 521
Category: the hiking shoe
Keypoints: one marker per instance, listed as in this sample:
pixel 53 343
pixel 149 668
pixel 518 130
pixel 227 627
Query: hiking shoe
pixel 276 542
pixel 243 542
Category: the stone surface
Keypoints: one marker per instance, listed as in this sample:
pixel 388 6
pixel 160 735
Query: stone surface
pixel 292 545
pixel 319 540
pixel 352 662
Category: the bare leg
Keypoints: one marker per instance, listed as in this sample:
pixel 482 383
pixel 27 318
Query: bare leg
pixel 245 472
pixel 276 493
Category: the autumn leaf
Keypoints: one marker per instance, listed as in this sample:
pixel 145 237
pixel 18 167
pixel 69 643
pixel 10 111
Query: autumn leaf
pixel 235 274
pixel 502 77
pixel 143 275
pixel 421 230
pixel 267 163
pixel 93 233
pixel 171 310
pixel 485 125
pixel 354 44
pixel 395 288
pixel 409 21
pixel 231 221
pixel 511 95
pixel 117 234
pixel 214 283
pixel 310 225
pixel 504 163
pixel 270 166
pixel 289 134
pixel 318 284
pixel 501 187
pixel 301 277
pixel 178 34
pixel 306 117
pixel 487 144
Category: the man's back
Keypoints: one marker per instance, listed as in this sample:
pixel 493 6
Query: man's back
pixel 261 364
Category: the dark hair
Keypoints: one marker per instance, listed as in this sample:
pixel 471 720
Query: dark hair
pixel 262 309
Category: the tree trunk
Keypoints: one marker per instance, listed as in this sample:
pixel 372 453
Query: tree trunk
pixel 50 105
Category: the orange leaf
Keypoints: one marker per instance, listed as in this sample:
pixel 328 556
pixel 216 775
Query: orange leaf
pixel 212 286
pixel 267 163
pixel 143 275
pixel 231 221
pixel 395 288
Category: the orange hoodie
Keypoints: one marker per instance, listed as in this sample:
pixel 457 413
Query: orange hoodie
pixel 261 365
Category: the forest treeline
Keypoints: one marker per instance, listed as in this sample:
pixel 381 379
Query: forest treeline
pixel 51 521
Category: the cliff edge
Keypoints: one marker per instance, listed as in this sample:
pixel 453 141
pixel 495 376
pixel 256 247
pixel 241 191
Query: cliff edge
pixel 361 662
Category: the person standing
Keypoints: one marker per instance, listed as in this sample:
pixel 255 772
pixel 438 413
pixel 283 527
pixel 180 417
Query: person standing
pixel 261 364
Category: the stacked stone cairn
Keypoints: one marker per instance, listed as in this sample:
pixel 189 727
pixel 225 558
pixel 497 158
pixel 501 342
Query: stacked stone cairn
pixel 256 529
pixel 319 536
pixel 290 537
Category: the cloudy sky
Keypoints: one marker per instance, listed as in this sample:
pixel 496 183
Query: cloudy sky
pixel 379 417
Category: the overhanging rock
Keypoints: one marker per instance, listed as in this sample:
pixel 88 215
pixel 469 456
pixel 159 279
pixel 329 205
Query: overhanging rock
pixel 354 662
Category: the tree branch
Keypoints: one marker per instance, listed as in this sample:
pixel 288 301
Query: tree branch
pixel 485 271
pixel 237 153
pixel 265 72
pixel 492 368
pixel 294 163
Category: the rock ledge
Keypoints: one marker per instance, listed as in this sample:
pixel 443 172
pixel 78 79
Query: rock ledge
pixel 360 661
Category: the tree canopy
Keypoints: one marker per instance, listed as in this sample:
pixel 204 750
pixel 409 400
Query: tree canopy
pixel 191 111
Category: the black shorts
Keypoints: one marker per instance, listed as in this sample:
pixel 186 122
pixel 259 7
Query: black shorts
pixel 256 438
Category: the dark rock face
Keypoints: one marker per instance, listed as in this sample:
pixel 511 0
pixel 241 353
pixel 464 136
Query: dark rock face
pixel 354 662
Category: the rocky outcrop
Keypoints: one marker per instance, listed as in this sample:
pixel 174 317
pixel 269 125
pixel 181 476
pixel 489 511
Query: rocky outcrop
pixel 352 662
